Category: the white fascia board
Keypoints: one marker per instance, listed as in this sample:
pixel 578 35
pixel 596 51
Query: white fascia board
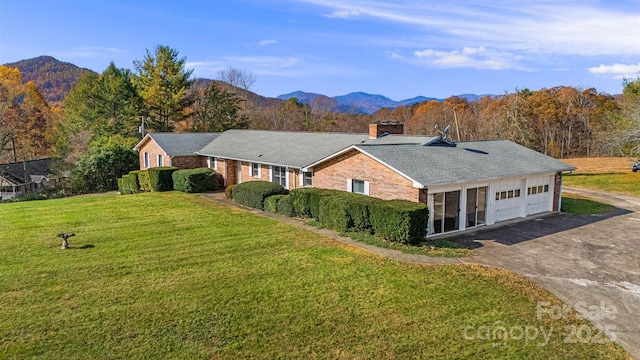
pixel 249 161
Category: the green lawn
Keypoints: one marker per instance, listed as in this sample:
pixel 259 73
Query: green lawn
pixel 171 275
pixel 574 204
pixel 627 183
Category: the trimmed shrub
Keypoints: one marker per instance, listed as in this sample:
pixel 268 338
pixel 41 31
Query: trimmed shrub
pixel 315 197
pixel 196 180
pixel 120 188
pixel 301 201
pixel 358 209
pixel 399 220
pixel 129 184
pixel 160 178
pixel 253 193
pixel 134 181
pixel 333 213
pixel 143 180
pixel 228 192
pixel 271 203
pixel 284 206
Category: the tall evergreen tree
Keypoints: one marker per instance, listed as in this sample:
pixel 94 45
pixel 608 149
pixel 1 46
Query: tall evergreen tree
pixel 163 80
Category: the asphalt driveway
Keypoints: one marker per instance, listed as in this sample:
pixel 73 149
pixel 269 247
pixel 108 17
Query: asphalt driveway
pixel 590 262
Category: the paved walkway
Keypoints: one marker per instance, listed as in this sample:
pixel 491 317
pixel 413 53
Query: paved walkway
pixel 585 260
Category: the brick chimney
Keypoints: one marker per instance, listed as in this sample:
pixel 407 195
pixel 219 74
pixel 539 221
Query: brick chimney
pixel 385 127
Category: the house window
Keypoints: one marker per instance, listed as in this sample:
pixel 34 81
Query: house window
pixel 358 186
pixel 307 178
pixel 279 175
pixel 213 163
pixel 160 160
pixel 146 160
pixel 255 170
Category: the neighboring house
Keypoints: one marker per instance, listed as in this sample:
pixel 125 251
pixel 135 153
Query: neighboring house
pixel 468 184
pixel 173 149
pixel 22 177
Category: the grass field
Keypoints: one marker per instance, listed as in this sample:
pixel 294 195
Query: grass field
pixel 171 275
pixel 609 174
pixel 574 204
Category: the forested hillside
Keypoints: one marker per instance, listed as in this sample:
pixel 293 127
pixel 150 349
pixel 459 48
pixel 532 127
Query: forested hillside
pixel 53 78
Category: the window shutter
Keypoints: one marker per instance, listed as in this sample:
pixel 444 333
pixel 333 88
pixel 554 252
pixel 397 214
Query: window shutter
pixel 301 177
pixel 349 185
pixel 366 188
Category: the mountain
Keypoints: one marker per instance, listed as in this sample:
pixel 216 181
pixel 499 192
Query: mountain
pixel 363 103
pixel 53 78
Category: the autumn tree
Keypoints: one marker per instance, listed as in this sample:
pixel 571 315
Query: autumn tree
pixel 162 81
pixel 11 93
pixel 32 130
pixel 216 110
pixel 238 78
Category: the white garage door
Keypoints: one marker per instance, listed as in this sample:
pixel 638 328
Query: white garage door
pixel 508 200
pixel 539 195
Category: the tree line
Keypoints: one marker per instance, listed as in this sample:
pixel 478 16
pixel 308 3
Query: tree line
pixel 94 130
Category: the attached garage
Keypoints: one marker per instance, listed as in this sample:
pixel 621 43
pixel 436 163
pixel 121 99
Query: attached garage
pixel 539 194
pixel 508 199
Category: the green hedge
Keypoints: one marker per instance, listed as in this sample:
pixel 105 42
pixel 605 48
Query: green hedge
pixel 253 193
pixel 160 178
pixel 143 180
pixel 333 212
pixel 128 184
pixel 306 201
pixel 271 203
pixel 358 208
pixel 285 206
pixel 399 220
pixel 196 180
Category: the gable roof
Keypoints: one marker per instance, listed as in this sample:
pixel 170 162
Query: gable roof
pixel 179 144
pixel 292 149
pixel 15 172
pixel 468 161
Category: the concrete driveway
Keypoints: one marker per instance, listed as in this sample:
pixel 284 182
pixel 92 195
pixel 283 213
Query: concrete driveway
pixel 590 262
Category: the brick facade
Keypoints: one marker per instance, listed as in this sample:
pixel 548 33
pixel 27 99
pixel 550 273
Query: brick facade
pixel 384 183
pixel 188 162
pixel 556 192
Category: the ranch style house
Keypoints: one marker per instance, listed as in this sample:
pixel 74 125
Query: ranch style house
pixel 465 184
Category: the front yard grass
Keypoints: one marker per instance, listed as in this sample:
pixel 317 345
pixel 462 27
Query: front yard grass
pixel 575 204
pixel 626 183
pixel 172 275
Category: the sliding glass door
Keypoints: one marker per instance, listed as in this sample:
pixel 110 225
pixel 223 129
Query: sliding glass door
pixel 476 206
pixel 446 212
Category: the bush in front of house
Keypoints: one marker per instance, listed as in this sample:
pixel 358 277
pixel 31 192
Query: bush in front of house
pixel 306 201
pixel 253 193
pixel 333 212
pixel 129 184
pixel 358 208
pixel 399 220
pixel 144 181
pixel 196 180
pixel 228 192
pixel 271 202
pixel 120 186
pixel 284 206
pixel 161 178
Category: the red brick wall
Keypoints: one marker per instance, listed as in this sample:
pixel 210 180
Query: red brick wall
pixel 384 183
pixel 188 162
pixel 556 191
pixel 375 129
pixel 154 150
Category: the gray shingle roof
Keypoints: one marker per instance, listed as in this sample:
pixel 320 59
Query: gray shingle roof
pixel 15 172
pixel 293 149
pixel 180 144
pixel 469 161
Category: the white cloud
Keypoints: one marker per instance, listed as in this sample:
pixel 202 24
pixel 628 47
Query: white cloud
pixel 468 57
pixel 545 27
pixel 344 14
pixel 618 71
pixel 267 42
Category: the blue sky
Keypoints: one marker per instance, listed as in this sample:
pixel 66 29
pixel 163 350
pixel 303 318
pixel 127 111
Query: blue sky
pixel 400 49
